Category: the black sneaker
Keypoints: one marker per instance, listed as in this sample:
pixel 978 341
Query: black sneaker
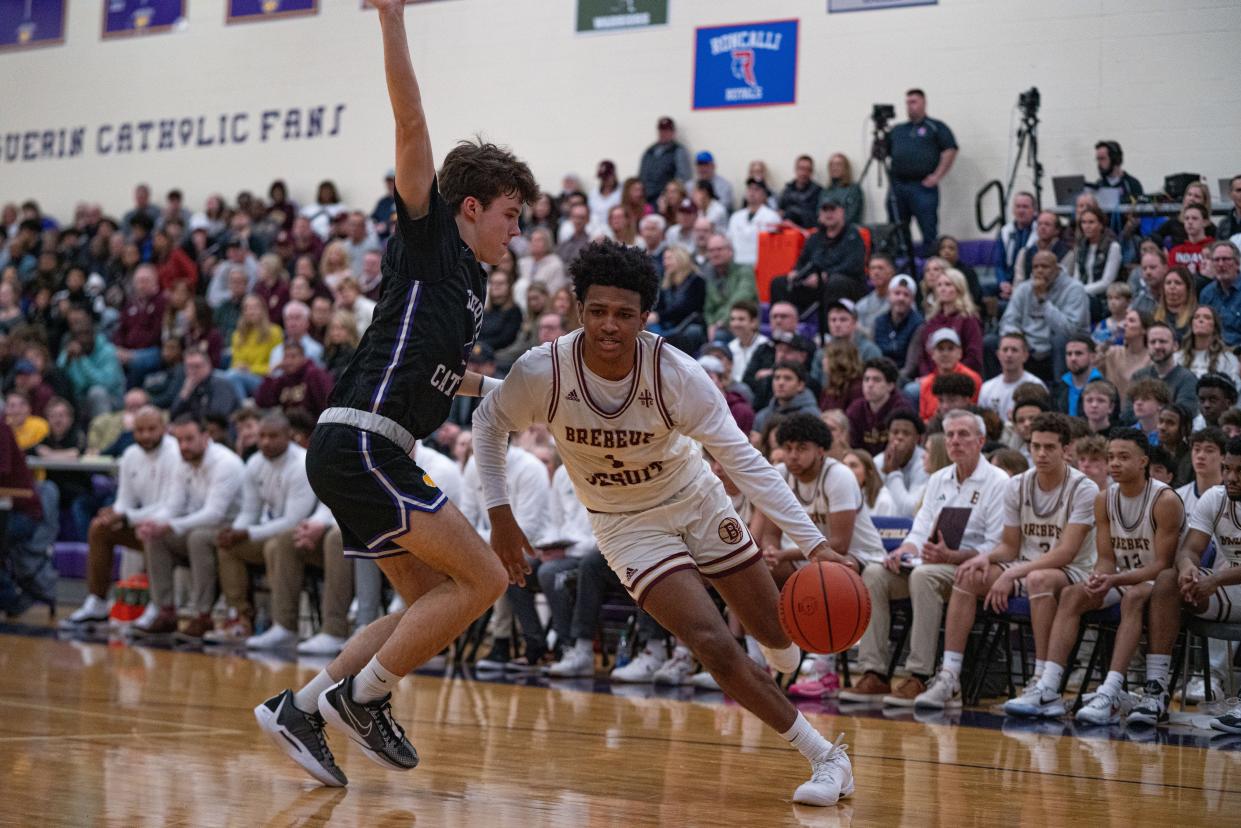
pixel 1229 722
pixel 500 655
pixel 300 735
pixel 1152 708
pixel 370 725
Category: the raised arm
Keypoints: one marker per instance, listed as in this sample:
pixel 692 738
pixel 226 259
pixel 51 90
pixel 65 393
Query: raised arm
pixel 415 168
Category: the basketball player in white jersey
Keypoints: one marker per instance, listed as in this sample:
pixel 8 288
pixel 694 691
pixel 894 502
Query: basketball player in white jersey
pixel 626 410
pixel 1048 544
pixel 1137 522
pixel 1211 594
pixel 1206 451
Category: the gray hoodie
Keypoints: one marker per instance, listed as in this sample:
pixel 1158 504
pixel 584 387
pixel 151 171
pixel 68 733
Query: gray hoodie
pixel 1050 321
pixel 803 401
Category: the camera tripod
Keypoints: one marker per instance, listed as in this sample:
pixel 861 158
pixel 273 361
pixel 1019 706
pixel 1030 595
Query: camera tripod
pixel 903 253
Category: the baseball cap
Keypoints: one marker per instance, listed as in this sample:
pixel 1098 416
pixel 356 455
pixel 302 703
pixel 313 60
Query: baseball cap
pixel 704 157
pixel 845 305
pixel 904 280
pixel 793 340
pixel 943 335
pixel 717 350
pixel 756 182
pixel 666 123
pixel 830 200
pixel 687 206
pixel 482 352
pixel 711 364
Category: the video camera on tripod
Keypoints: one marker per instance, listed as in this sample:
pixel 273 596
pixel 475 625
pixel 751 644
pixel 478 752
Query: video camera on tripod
pixel 1028 102
pixel 881 115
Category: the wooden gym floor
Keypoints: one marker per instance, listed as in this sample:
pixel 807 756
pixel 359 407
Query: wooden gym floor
pixel 107 734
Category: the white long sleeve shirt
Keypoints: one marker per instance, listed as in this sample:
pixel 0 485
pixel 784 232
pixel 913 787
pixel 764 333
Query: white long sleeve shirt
pixel 275 495
pixel 525 487
pixel 443 470
pixel 205 494
pixel 743 230
pixel 144 478
pixel 982 493
pixel 658 412
pixel 568 518
pixel 907 484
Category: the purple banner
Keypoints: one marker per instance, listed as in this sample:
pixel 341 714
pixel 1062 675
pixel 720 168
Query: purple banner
pixel 25 24
pixel 245 11
pixel 122 18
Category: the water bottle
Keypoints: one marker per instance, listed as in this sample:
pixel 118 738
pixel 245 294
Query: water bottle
pixel 622 648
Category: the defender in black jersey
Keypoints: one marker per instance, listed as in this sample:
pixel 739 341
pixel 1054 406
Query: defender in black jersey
pixel 398 388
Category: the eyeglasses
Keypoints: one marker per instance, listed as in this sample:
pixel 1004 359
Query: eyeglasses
pixel 1223 259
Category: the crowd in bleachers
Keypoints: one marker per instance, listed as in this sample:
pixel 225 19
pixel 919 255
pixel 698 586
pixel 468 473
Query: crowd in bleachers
pixel 199 347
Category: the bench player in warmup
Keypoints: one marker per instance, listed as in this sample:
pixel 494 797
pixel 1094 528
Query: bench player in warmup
pixel 397 389
pixel 626 410
pixel 1137 524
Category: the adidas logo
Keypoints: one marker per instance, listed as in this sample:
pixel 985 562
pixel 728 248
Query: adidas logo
pixel 572 396
pixel 629 573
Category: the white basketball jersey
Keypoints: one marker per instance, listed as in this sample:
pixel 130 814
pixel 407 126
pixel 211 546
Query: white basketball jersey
pixel 1218 516
pixel 1045 514
pixel 622 460
pixel 743 506
pixel 1132 521
pixel 815 497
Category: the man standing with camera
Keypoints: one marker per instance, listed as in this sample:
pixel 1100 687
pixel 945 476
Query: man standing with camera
pixel 921 150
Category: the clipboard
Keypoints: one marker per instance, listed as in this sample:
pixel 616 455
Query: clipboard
pixel 951 525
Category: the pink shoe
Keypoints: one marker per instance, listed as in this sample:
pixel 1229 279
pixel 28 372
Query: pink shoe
pixel 824 686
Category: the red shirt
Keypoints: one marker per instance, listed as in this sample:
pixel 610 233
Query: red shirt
pixel 178 267
pixel 142 323
pixel 928 403
pixel 1189 254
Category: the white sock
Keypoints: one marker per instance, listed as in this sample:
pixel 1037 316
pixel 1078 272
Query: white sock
pixel 374 682
pixel 307 699
pixel 952 663
pixel 1158 667
pixel 1113 684
pixel 1052 673
pixel 808 741
pixel 784 661
pixel 1039 664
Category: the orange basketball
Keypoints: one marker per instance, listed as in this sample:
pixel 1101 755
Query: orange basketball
pixel 824 607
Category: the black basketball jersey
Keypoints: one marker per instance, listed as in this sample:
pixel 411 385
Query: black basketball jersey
pixel 430 310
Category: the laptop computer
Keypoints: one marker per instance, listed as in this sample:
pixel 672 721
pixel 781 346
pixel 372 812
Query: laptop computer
pixel 1067 187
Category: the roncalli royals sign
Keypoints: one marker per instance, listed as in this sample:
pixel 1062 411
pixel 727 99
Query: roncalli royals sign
pixel 747 64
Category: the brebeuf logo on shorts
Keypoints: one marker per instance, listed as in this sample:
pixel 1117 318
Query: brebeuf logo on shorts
pixel 730 531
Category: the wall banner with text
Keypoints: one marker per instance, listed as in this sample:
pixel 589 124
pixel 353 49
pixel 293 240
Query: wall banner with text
pixel 25 24
pixel 620 15
pixel 746 64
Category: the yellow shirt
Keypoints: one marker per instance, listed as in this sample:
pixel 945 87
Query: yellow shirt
pixel 31 432
pixel 253 352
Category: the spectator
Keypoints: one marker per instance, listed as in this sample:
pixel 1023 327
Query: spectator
pixel 340 343
pixel 789 395
pixel 360 240
pixel 272 286
pixel 651 231
pixel 1080 369
pixel 948 257
pixel 1099 405
pixel 681 233
pixel 922 150
pixel 203 497
pixel 1048 309
pixel 944 346
pixel 877 498
pixel 900 326
pixel 1111 329
pixel 622 227
pixel 666 205
pixel 564 303
pixel 663 161
pixel 1121 363
pixel 1179 302
pixel 294 383
pixel 704 167
pixel 228 313
pixel 1148 397
pixel 65 441
pixel 1097 259
pixel 146 472
pixel 1182 385
pixel 537 301
pixel 142 208
pixel 1230 225
pixel 28 381
pixel 799 200
pixel 281 210
pixel 275 497
pixel 1048 235
pixel 254 342
pixel 709 207
pixel 236 255
pixel 997 392
pixel 1222 293
pixel 110 434
pixel 323 212
pixel 1204 351
pixel 841 187
pixel 1146 281
pixel 747 343
pixel 1015 237
pixel 902 463
pixel 1216 394
pixel 831 265
pixel 842 372
pixel 868 416
pixel 163 384
pixel 296 329
pixel 786 347
pixel 879 271
pixel 318 541
pixel 728 282
pixel 753 218
pixel 1189 253
pixel 334 266
pixel 950 306
pixel 137 335
pixel 925 565
pixel 1125 189
pixel 200 330
pixel 302 242
pixel 11 315
pixel 542 266
pixel 605 196
pixel 28 430
pixel 1172 231
pixel 502 316
pixel 172 262
pixel 678 312
pixel 738 405
pixel 724 355
pixel 91 363
pixel 842 326
pixel 581 235
pixel 203 394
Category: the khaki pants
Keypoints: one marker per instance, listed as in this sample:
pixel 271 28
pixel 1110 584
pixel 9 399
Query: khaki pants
pixel 198 548
pixel 101 541
pixel 286 572
pixel 928 588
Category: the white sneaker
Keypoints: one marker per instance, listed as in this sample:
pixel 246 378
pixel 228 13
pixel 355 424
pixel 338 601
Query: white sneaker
pixel 676 670
pixel 1035 702
pixel 831 778
pixel 1104 708
pixel 577 662
pixel 321 644
pixel 276 638
pixel 943 693
pixel 642 669
pixel 1195 691
pixel 148 615
pixel 94 610
pixel 704 681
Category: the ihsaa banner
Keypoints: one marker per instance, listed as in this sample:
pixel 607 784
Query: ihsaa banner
pixel 747 64
pixel 25 24
pixel 122 18
pixel 242 11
